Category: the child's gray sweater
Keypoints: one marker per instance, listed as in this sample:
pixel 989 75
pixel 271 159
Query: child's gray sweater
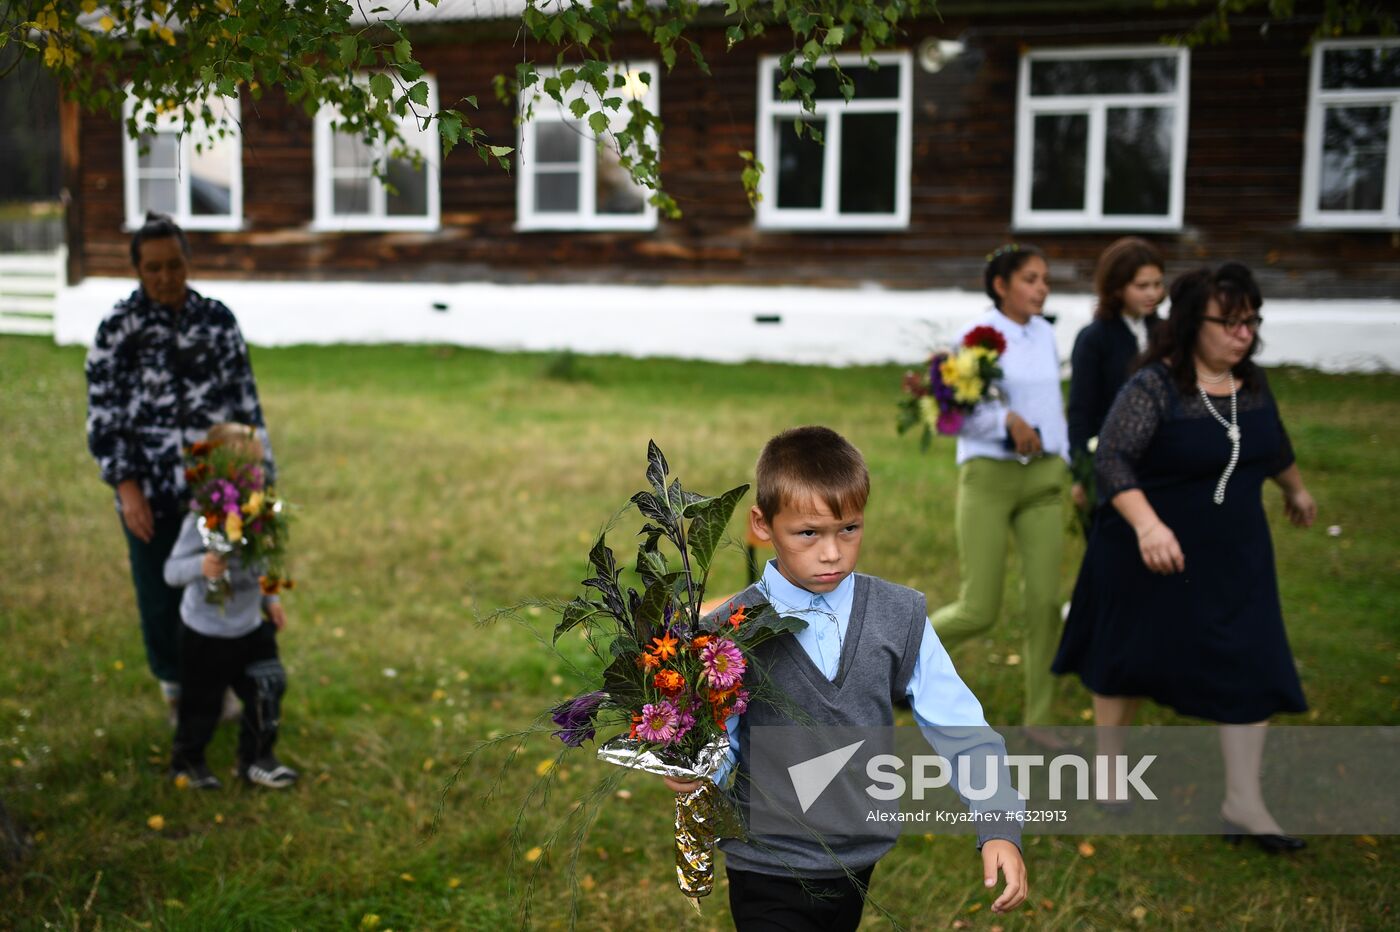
pixel 239 615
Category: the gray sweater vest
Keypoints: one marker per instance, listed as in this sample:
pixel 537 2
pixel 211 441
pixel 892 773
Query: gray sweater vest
pixel 877 660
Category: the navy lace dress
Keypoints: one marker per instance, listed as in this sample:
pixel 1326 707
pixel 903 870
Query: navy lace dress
pixel 1208 642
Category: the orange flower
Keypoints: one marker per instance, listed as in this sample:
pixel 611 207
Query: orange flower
pixel 738 618
pixel 269 584
pixel 211 520
pixel 636 720
pixel 665 646
pixel 700 642
pixel 201 448
pixel 647 661
pixel 669 682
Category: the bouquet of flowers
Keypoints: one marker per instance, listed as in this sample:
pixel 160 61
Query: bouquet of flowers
pixel 237 514
pixel 951 384
pixel 671 677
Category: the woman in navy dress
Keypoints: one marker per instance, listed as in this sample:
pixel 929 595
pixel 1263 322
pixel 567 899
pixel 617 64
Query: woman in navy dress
pixel 1129 286
pixel 1177 599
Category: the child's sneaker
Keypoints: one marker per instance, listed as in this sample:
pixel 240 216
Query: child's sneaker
pixel 268 772
pixel 196 777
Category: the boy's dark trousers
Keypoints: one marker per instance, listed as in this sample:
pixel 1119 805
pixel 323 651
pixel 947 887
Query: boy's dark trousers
pixel 249 664
pixel 157 603
pixel 767 903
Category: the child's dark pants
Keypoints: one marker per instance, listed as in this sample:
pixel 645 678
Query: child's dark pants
pixel 766 903
pixel 208 666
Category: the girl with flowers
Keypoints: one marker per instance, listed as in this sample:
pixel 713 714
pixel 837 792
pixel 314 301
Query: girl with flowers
pixel 1012 471
pixel 230 610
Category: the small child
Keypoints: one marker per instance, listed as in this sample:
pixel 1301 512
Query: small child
pixel 812 490
pixel 226 646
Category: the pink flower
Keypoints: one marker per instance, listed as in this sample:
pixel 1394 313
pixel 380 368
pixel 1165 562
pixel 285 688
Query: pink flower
pixel 724 664
pixel 741 702
pixel 659 723
pixel 950 421
pixel 685 720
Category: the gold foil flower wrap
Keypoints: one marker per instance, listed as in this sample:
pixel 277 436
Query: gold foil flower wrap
pixel 702 815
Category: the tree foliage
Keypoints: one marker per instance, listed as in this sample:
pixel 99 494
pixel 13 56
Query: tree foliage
pixel 357 56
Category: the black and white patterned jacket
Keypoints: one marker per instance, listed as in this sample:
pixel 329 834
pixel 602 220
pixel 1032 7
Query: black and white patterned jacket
pixel 157 381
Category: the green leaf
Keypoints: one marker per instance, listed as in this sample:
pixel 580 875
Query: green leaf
pixel 657 467
pixel 349 50
pixel 418 93
pixel 834 36
pixel 708 519
pixel 598 122
pixel 579 612
pixel 578 107
pixel 381 86
pixel 403 50
pixel 501 152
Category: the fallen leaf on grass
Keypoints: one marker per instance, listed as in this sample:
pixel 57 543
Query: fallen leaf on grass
pixel 182 782
pixel 533 854
pixel 1139 913
pixel 453 883
pixel 406 877
pixel 544 767
pixel 975 907
pixel 1086 850
pixel 369 921
pixel 1047 905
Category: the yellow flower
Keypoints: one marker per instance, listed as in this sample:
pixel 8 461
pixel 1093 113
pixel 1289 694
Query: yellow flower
pixel 254 504
pixel 969 392
pixel 533 854
pixel 53 56
pixel 928 409
pixel 233 527
pixel 47 19
pixel 969 366
pixel 182 782
pixel 89 6
pixel 369 921
pixel 106 24
pixel 156 822
pixel 167 35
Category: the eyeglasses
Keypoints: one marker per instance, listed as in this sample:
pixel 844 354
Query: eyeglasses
pixel 1250 323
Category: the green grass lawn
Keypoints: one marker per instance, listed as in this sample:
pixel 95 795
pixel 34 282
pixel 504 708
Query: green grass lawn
pixel 437 484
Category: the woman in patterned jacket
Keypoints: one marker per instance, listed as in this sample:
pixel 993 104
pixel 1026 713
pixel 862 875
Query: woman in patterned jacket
pixel 167 363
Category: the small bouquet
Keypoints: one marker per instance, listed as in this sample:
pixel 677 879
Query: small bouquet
pixel 951 385
pixel 1081 470
pixel 237 514
pixel 671 677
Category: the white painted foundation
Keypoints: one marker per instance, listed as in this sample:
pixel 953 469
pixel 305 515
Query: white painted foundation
pixel 814 325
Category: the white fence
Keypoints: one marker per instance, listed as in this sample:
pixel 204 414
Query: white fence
pixel 29 286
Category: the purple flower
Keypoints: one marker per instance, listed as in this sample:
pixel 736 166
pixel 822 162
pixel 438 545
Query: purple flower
pixel 950 421
pixel 575 718
pixel 660 722
pixel 723 662
pixel 685 716
pixel 741 702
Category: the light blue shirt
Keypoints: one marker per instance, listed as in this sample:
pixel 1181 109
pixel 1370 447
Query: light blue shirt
pixel 1030 385
pixel 939 698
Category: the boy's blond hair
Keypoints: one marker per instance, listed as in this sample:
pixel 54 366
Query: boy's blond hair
pixel 808 463
pixel 241 439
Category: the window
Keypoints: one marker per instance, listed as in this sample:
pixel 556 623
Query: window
pixel 350 197
pixel 191 173
pixel 1351 168
pixel 858 176
pixel 1101 139
pixel 569 179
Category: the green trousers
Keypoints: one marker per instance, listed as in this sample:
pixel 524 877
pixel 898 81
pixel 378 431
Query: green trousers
pixel 157 603
pixel 998 499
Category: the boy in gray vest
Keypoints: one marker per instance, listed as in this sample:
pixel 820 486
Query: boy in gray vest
pixel 867 644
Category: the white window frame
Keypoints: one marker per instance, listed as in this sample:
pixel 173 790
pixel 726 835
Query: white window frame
pixel 1310 216
pixel 174 122
pixel 829 217
pixel 376 220
pixel 1096 108
pixel 546 109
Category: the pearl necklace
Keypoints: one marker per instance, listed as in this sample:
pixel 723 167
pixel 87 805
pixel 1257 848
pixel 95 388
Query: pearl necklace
pixel 1232 430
